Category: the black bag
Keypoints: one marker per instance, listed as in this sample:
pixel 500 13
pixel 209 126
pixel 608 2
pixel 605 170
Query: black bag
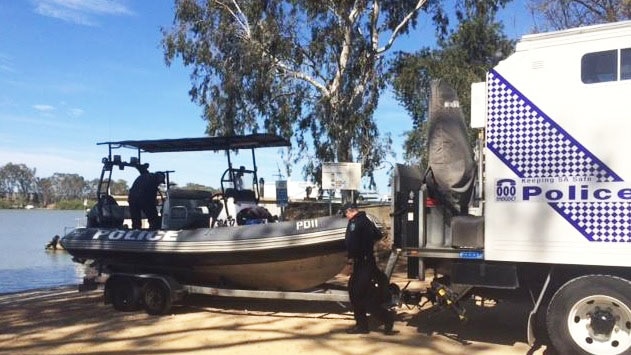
pixel 381 293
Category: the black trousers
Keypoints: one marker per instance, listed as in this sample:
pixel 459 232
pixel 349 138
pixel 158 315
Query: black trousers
pixel 149 208
pixel 367 290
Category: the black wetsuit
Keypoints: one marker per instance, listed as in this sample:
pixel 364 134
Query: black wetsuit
pixel 142 198
pixel 367 285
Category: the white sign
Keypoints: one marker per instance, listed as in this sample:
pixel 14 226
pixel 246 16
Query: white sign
pixel 341 176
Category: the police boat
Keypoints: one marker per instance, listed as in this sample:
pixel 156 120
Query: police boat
pixel 200 241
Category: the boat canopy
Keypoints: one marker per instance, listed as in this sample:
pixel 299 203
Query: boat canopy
pixel 250 141
pixel 231 178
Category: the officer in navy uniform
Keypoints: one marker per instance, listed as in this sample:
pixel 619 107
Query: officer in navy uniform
pixel 142 198
pixel 361 235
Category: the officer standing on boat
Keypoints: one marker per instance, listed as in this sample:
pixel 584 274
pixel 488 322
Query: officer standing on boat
pixel 142 198
pixel 367 286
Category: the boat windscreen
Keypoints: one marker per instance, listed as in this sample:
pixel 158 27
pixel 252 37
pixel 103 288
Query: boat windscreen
pixel 251 141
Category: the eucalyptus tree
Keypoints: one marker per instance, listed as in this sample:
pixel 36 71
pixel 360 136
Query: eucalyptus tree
pixel 17 180
pixel 562 14
pixel 308 70
pixel 119 187
pixel 463 55
pixel 68 186
pixel 46 191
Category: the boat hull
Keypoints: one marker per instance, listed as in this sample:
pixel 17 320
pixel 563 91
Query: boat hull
pixel 290 256
pixel 286 275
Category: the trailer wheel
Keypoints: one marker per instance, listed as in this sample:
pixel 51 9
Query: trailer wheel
pixel 156 297
pixel 124 294
pixel 591 315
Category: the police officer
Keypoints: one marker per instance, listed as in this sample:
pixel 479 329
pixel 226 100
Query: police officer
pixel 142 198
pixel 361 235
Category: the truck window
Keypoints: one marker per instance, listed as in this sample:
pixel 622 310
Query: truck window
pixel 599 67
pixel 625 64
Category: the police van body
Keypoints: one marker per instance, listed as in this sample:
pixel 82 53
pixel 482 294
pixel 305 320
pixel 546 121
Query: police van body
pixel 550 214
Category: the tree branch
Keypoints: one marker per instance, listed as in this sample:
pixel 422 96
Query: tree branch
pixel 346 48
pixel 242 20
pixel 403 22
pixel 587 5
pixel 288 71
pixel 373 25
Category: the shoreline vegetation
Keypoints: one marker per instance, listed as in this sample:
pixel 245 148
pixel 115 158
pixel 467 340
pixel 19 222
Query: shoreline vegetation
pixel 74 204
pixel 20 188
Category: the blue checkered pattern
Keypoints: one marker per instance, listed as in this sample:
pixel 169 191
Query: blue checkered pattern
pixel 532 145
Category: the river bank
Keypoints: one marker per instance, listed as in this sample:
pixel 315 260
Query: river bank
pixel 64 321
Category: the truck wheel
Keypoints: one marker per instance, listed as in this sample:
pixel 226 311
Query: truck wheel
pixel 156 297
pixel 124 294
pixel 591 315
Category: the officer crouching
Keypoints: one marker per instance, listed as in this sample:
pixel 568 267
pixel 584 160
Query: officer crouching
pixel 367 286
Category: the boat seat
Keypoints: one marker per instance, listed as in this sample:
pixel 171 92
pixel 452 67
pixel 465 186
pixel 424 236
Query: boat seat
pixel 106 213
pixel 451 168
pixel 178 212
pixel 189 194
pixel 189 209
pixel 186 217
pixel 240 195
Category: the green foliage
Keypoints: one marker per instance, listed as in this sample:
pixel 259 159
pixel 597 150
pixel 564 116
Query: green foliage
pixel 68 186
pixel 6 204
pixel 463 56
pixel 307 70
pixel 118 187
pixel 192 186
pixel 64 191
pixel 70 205
pixel 17 181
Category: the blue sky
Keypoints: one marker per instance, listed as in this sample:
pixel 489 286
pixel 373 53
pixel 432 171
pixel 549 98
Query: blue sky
pixel 77 72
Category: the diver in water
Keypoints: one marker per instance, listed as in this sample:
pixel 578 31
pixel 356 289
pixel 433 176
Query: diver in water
pixel 53 243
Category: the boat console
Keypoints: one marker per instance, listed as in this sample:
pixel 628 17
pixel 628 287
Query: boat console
pixel 189 209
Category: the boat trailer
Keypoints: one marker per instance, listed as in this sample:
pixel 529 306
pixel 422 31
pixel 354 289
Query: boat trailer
pixel 157 293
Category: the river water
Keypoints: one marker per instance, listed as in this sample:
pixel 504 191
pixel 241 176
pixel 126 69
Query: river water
pixel 24 264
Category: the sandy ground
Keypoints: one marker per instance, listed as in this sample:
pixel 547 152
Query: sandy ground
pixel 64 321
